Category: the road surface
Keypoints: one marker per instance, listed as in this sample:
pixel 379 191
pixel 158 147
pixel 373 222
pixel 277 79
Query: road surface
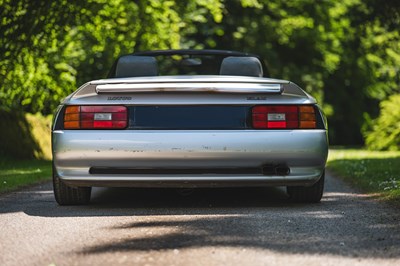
pixel 208 227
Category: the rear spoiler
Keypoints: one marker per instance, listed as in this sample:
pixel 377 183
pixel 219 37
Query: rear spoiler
pixel 217 84
pixel 190 87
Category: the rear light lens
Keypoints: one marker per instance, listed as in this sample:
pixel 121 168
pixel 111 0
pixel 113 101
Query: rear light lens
pixel 283 117
pixel 96 117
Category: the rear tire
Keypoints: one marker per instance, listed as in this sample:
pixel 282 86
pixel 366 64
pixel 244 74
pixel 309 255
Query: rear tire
pixel 66 195
pixel 312 194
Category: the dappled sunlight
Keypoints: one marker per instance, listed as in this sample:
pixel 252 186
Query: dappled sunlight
pixel 286 234
pixel 345 225
pixel 19 172
pixel 339 195
pixel 324 215
pixel 394 225
pixel 33 193
pixel 344 54
pixel 360 154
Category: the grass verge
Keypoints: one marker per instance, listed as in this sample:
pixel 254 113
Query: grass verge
pixel 15 174
pixel 372 171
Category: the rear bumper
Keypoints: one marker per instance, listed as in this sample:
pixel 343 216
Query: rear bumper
pixel 75 153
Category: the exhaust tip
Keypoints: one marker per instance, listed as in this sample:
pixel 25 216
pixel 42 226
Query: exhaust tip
pixel 268 170
pixel 280 170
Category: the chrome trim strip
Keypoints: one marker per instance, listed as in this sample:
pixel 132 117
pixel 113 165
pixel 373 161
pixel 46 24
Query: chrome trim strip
pixel 188 79
pixel 191 87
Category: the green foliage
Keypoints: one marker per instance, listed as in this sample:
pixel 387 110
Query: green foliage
pixel 385 134
pixel 52 47
pixel 345 53
pixel 32 34
pixel 373 171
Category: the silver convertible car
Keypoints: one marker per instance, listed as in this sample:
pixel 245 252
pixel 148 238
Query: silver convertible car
pixel 186 119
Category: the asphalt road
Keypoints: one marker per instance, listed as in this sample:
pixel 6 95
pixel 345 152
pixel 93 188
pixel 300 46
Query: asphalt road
pixel 208 227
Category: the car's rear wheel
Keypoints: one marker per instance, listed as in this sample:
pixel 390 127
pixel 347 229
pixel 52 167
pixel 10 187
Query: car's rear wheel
pixel 66 195
pixel 312 194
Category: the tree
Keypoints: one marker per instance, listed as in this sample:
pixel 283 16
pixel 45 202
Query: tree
pixel 344 53
pixel 385 133
pixel 50 48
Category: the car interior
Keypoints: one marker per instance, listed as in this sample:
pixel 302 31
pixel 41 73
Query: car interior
pixel 182 62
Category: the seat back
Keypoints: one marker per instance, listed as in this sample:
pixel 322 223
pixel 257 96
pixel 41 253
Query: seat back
pixel 241 66
pixel 136 66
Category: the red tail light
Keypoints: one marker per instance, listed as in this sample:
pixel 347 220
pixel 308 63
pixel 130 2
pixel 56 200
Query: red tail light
pixel 283 117
pixel 95 117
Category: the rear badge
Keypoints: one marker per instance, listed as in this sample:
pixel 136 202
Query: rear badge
pixel 256 98
pixel 119 98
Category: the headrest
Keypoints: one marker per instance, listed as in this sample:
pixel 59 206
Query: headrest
pixel 241 66
pixel 136 66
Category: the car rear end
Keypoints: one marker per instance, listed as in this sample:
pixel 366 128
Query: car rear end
pixel 231 127
pixel 189 132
